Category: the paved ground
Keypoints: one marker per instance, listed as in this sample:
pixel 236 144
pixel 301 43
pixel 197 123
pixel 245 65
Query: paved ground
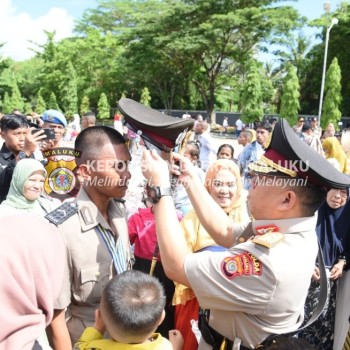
pixel 230 139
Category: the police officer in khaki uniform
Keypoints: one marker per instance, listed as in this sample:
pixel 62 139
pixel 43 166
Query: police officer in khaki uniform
pixel 94 228
pixel 258 286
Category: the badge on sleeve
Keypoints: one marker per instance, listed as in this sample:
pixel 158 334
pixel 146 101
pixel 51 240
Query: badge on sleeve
pixel 241 264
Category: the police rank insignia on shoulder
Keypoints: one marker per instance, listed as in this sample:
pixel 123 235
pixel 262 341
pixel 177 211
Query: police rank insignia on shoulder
pixel 62 213
pixel 269 239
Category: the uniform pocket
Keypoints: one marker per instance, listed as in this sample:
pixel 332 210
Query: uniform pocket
pixel 93 279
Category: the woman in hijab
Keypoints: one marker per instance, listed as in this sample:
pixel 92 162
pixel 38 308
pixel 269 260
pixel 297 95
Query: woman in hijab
pixel 25 190
pixel 333 228
pixel 223 182
pixel 333 149
pixel 31 259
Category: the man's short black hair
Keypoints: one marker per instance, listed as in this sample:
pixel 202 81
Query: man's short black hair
pixel 306 127
pixel 90 141
pixel 310 196
pixel 13 122
pixel 264 125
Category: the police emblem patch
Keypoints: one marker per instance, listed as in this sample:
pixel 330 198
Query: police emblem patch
pixel 230 267
pixel 60 177
pixel 61 180
pixel 239 265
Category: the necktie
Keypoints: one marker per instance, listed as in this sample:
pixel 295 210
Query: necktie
pixel 116 249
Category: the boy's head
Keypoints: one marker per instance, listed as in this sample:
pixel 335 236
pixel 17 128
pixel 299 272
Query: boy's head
pixel 14 129
pixel 132 306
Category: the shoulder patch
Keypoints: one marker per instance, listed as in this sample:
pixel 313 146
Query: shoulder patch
pixel 62 213
pixel 241 264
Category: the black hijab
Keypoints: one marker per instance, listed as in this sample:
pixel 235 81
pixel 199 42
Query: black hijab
pixel 333 231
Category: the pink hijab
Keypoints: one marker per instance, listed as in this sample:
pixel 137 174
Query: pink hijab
pixel 32 265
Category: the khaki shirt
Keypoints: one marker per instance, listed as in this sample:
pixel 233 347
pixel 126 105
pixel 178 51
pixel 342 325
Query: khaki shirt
pixel 89 264
pixel 253 291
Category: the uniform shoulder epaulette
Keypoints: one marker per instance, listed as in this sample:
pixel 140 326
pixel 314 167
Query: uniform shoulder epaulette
pixel 62 213
pixel 269 239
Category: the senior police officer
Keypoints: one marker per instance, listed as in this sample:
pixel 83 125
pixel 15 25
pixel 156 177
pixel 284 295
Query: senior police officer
pixel 94 228
pixel 258 287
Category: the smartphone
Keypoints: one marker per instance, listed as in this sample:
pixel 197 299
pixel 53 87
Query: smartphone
pixel 50 133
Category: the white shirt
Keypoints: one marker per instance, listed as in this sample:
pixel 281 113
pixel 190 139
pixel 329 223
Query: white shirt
pixel 239 124
pixel 208 150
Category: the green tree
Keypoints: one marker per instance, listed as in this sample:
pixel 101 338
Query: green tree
pixel 338 47
pixel 28 109
pixel 53 102
pixel 290 97
pixel 99 69
pixel 16 98
pixel 145 97
pixel 85 105
pixel 4 63
pixel 197 43
pixel 252 95
pixel 68 91
pixel 53 67
pixel 40 107
pixel 7 104
pixel 333 98
pixel 103 107
pixel 28 76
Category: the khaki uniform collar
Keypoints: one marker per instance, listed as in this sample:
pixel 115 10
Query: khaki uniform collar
pixel 295 225
pixel 89 214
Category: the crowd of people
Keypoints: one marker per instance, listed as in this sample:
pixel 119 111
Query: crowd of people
pixel 109 242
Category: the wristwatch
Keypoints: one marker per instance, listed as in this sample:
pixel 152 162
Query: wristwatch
pixel 22 155
pixel 155 193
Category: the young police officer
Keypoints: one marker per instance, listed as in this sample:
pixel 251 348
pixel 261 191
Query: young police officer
pixel 95 231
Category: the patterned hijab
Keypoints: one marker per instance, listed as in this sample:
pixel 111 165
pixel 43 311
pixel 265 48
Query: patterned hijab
pixel 237 206
pixel 32 266
pixel 23 170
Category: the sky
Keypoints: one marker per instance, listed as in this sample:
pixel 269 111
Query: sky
pixel 22 21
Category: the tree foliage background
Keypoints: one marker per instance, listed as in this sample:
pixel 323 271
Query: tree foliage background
pixel 191 55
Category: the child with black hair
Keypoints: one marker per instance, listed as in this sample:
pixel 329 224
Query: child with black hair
pixel 225 151
pixel 132 307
